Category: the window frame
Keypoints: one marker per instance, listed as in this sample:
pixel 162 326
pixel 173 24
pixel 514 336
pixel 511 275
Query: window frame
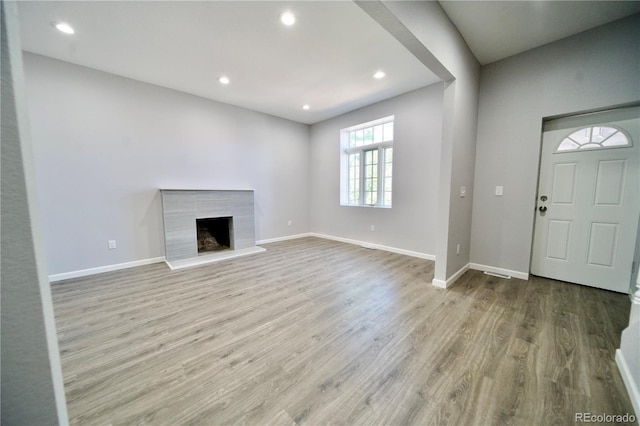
pixel 583 147
pixel 346 179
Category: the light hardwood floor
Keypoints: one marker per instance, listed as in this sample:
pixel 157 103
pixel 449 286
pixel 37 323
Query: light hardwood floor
pixel 320 332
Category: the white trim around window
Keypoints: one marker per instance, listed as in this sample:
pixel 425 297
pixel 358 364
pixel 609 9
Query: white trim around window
pixel 366 159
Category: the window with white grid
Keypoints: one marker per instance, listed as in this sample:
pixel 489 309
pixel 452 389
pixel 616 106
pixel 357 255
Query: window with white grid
pixel 367 164
pixel 594 137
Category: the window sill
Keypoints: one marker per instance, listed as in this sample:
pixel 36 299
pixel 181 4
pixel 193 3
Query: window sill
pixel 366 206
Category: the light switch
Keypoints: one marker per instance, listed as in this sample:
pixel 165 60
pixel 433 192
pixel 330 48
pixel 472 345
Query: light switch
pixel 463 191
pixel 499 190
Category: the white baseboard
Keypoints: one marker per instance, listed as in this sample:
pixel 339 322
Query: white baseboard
pixel 632 386
pixel 285 238
pixel 118 266
pixel 375 246
pixel 485 268
pixel 438 283
pixel 101 269
pixel 451 280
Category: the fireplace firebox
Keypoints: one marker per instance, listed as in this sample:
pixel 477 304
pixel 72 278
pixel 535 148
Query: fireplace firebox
pixel 214 234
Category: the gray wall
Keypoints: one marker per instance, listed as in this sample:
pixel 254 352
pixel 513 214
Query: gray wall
pixel 104 145
pixel 32 385
pixel 592 70
pixel 411 223
pixel 431 26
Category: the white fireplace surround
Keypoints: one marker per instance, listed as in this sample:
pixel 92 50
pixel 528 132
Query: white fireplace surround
pixel 181 208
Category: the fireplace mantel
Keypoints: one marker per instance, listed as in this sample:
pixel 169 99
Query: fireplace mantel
pixel 182 207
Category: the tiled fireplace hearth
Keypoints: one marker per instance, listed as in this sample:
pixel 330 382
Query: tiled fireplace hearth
pixel 203 226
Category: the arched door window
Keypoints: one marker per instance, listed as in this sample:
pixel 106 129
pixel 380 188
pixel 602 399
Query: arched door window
pixel 594 137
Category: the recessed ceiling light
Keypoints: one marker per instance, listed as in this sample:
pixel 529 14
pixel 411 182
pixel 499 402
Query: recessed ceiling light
pixel 63 27
pixel 288 18
pixel 305 107
pixel 379 74
pixel 224 80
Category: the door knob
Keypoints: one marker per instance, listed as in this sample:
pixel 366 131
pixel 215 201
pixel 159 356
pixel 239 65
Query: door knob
pixel 542 209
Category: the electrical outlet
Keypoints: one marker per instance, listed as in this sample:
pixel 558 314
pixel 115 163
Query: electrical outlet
pixel 289 222
pixel 463 191
pixel 458 249
pixel 112 244
pixel 373 228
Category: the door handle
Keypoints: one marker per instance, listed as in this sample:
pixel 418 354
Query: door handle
pixel 542 209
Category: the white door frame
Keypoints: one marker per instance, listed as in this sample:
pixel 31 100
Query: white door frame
pixel 570 121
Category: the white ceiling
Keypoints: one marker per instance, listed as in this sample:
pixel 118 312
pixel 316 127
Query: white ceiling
pixel 326 59
pixel 495 30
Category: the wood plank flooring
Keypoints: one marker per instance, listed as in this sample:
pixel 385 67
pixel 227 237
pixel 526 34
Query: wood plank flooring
pixel 320 332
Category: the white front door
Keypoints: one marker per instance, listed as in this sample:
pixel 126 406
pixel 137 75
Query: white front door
pixel 588 200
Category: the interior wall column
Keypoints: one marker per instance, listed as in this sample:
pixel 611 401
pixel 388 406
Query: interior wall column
pixel 31 376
